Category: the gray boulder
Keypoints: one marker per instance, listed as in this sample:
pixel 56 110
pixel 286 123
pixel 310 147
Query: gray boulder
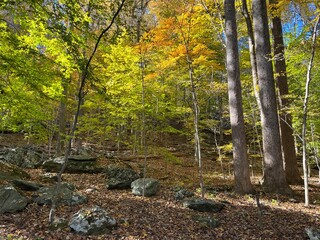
pixel 25 185
pixel 66 195
pixel 119 177
pixel 208 221
pixel 152 186
pixel 76 164
pixel 82 158
pixel 313 234
pixel 92 221
pixel 203 205
pixel 10 200
pixel 50 177
pixel 24 157
pixel 182 194
pixel 9 172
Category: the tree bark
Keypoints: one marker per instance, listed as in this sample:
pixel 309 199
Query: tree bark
pixel 240 159
pixel 288 148
pixel 274 177
pixel 305 115
pixel 61 135
pixel 253 60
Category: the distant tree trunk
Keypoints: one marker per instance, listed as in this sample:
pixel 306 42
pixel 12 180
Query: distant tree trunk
pixel 241 165
pixel 61 138
pixel 274 177
pixel 143 4
pixel 289 154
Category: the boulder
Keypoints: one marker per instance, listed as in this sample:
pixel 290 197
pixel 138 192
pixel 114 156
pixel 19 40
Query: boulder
pixel 76 164
pixel 9 172
pixel 81 158
pixel 53 165
pixel 66 195
pixel 25 185
pixel 208 221
pixel 313 234
pixel 119 177
pixel 50 177
pixel 92 221
pixel 182 194
pixel 152 186
pixel 203 205
pixel 24 157
pixel 11 200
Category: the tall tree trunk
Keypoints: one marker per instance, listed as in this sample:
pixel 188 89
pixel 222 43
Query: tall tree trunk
pixel 305 115
pixel 252 51
pixel 241 165
pixel 274 177
pixel 289 154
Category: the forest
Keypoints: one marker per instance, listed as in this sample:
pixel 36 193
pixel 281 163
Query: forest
pixel 159 119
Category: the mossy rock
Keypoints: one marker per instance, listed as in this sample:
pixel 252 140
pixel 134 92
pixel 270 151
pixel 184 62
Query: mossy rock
pixel 10 172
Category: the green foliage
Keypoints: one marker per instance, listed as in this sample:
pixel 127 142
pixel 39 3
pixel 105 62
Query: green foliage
pixel 44 49
pixel 167 155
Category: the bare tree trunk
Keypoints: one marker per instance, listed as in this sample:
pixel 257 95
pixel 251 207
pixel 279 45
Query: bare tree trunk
pixel 74 125
pixel 305 115
pixel 61 137
pixel 274 176
pixel 196 113
pixel 240 159
pixel 143 130
pixel 143 4
pixel 288 149
pixel 252 51
pixel 195 108
pixel 253 61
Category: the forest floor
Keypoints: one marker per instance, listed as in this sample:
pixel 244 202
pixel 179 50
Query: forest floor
pixel 163 217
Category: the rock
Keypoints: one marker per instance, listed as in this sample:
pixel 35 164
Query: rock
pixel 182 194
pixel 313 234
pixel 81 158
pixel 9 172
pixel 203 205
pixel 76 164
pixel 24 157
pixel 92 221
pixel 209 222
pixel 119 177
pixel 49 177
pixel 67 195
pixel 83 150
pixel 152 186
pixel 53 165
pixel 10 200
pixel 25 185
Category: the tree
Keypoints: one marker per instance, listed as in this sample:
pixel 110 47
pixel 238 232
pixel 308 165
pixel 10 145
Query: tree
pixel 287 140
pixel 80 95
pixel 274 178
pixel 252 51
pixel 305 113
pixel 241 165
